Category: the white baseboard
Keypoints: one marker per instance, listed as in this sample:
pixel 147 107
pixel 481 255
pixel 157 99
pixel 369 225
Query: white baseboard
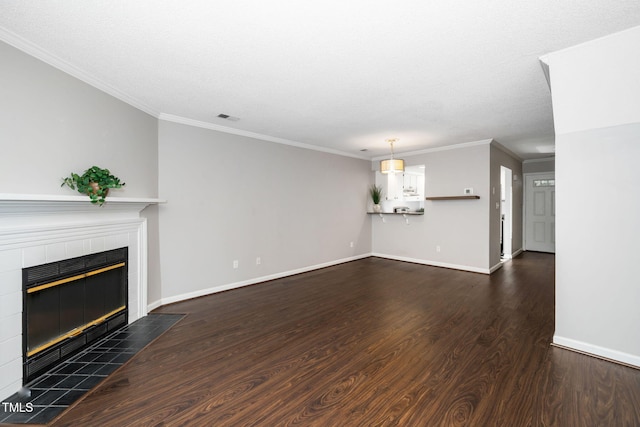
pixel 202 292
pixel 512 255
pixel 597 351
pixel 228 286
pixel 152 306
pixel 495 267
pixel 437 263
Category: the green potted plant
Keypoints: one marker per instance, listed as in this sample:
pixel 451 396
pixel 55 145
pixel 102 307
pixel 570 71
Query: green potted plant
pixel 375 191
pixel 95 182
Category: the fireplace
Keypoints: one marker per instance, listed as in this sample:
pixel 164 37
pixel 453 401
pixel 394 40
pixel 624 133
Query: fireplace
pixel 43 229
pixel 69 304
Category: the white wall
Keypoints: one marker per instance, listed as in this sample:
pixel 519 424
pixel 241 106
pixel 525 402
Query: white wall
pixel 598 77
pixel 236 198
pixel 596 103
pixel 53 124
pixel 539 165
pixel 459 227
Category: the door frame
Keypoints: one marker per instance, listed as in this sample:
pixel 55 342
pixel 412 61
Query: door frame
pixel 507 209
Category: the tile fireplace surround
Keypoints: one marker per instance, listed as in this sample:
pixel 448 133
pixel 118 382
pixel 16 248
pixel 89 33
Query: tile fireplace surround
pixel 38 229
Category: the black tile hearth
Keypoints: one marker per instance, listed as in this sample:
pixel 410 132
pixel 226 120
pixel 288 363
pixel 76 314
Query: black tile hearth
pixel 50 394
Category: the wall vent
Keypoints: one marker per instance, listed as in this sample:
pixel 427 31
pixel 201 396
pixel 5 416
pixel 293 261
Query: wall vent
pixel 228 117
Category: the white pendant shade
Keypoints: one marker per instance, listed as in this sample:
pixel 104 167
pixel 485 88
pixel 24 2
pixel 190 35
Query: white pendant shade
pixel 392 165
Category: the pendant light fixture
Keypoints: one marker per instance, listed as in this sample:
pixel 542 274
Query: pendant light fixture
pixel 391 165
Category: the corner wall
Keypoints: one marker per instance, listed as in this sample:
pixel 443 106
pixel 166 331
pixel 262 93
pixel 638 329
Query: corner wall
pixel 596 102
pixel 458 228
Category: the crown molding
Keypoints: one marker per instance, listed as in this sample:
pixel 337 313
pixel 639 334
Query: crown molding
pixel 436 149
pixel 36 51
pixel 254 135
pixel 544 159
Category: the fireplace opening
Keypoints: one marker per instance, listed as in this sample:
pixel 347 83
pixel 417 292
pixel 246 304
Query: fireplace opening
pixel 69 304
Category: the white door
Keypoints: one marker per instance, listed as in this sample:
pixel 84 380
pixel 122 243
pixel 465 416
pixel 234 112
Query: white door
pixel 540 212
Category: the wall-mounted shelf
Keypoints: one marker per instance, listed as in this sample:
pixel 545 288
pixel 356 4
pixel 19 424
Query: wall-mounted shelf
pixel 468 197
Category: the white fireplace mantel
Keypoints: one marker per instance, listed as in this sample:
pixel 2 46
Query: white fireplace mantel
pixel 67 198
pixel 38 229
pixel 34 203
pixel 19 211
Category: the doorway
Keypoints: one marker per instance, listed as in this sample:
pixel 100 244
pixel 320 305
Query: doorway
pixel 540 212
pixel 506 209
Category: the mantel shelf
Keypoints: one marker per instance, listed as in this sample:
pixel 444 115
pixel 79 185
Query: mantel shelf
pixel 36 204
pixel 468 197
pixel 6 197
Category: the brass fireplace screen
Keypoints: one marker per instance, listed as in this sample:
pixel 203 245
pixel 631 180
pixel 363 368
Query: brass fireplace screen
pixel 69 304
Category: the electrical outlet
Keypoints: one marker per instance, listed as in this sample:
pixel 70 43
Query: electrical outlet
pixel 351 244
pixel 258 261
pixel 235 263
pixel 438 248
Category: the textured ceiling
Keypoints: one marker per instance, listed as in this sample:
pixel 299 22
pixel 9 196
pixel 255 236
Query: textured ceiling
pixel 342 75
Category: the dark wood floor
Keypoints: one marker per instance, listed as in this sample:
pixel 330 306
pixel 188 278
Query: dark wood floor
pixel 369 343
